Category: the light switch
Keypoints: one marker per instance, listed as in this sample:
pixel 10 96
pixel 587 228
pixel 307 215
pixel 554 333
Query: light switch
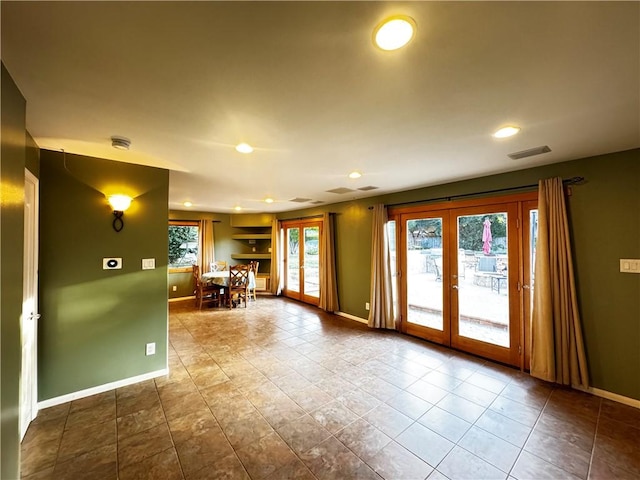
pixel 630 265
pixel 148 263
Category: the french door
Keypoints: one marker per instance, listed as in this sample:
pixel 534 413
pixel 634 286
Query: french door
pixel 302 260
pixel 462 272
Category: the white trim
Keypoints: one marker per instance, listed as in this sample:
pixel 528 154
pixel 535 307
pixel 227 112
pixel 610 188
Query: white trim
pixel 632 402
pixel 352 317
pixel 179 299
pixel 52 402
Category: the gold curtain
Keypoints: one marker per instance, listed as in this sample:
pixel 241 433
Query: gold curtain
pixel 206 252
pixel 557 346
pixel 381 314
pixel 276 257
pixel 328 287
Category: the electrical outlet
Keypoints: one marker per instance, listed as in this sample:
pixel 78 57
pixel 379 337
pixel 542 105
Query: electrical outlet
pixel 175 288
pixel 366 306
pixel 151 349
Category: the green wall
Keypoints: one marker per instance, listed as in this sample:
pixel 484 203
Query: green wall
pixel 95 323
pixel 605 223
pixel 12 165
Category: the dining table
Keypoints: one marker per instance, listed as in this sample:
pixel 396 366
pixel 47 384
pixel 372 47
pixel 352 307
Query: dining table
pixel 221 277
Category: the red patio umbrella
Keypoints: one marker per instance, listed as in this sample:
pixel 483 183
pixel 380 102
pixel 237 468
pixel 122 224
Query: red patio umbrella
pixel 486 237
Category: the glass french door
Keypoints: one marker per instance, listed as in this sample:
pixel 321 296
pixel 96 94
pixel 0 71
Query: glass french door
pixel 461 275
pixel 302 260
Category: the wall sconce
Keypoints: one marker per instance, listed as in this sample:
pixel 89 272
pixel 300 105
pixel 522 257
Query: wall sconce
pixel 119 203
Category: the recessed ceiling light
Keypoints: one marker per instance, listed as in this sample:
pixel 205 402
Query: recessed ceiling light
pixel 505 132
pixel 237 208
pixel 355 174
pixel 188 204
pixel 268 200
pixel 121 143
pixel 244 148
pixel 394 32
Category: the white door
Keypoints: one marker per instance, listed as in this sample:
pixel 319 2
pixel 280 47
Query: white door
pixel 29 317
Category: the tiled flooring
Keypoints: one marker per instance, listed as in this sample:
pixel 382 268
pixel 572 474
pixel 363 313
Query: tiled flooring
pixel 284 391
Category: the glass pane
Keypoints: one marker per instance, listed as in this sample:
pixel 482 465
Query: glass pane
pixel 312 261
pixel 293 260
pixel 424 272
pixel 183 245
pixel 483 294
pixel 391 238
pixel 533 236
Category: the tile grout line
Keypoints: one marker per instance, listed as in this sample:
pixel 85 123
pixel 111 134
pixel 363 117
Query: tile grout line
pixel 595 435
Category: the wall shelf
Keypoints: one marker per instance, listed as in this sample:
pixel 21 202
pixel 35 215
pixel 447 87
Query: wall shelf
pixel 251 256
pixel 251 236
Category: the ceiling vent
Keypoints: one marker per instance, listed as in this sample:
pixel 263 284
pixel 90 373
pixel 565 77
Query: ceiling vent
pixel 367 188
pixel 340 190
pixel 317 202
pixel 300 200
pixel 529 153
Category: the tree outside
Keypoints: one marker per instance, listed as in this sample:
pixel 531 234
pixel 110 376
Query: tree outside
pixel 183 245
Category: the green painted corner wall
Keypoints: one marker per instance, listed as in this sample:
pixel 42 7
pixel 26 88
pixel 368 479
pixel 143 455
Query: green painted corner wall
pixel 95 323
pixel 12 165
pixel 605 223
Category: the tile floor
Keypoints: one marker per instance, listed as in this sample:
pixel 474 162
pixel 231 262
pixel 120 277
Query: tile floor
pixel 281 390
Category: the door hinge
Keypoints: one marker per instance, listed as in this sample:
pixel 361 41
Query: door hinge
pixel 519 349
pixel 517 223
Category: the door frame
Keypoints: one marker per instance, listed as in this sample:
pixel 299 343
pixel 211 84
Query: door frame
pixel 518 356
pixel 300 224
pixel 29 319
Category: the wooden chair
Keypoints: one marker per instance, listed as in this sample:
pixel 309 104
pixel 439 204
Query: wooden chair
pixel 253 267
pixel 218 266
pixel 238 284
pixel 204 292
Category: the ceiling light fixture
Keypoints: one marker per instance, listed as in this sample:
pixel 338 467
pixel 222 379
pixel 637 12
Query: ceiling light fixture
pixel 394 32
pixel 237 208
pixel 121 143
pixel 244 148
pixel 355 174
pixel 268 200
pixel 507 131
pixel 188 204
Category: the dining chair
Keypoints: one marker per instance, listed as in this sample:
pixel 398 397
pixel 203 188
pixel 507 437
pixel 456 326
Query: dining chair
pixel 253 267
pixel 203 291
pixel 238 284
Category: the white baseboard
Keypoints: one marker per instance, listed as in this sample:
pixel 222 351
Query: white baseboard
pixel 179 299
pixel 52 402
pixel 352 317
pixel 632 402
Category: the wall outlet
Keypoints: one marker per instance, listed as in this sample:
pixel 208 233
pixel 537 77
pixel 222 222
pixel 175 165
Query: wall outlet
pixel 366 306
pixel 174 288
pixel 151 349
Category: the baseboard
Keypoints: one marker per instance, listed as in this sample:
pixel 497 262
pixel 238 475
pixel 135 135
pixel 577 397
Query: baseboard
pixel 352 317
pixel 52 402
pixel 180 299
pixel 632 402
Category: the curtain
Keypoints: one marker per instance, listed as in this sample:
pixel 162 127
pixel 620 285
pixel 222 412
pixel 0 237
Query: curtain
pixel 276 257
pixel 328 285
pixel 381 314
pixel 557 346
pixel 206 253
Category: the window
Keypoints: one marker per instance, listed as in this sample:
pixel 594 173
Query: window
pixel 183 243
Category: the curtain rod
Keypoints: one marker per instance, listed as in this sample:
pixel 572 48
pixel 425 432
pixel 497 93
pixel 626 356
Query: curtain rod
pixel 301 218
pixel 568 181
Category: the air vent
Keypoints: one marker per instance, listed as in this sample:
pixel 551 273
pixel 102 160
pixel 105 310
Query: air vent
pixel 529 153
pixel 340 190
pixel 367 188
pixel 316 202
pixel 300 200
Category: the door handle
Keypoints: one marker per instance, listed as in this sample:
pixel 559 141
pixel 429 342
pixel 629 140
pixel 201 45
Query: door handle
pixel 34 316
pixel 454 286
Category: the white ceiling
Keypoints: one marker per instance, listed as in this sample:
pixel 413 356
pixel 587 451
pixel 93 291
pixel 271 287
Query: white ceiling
pixel 303 84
